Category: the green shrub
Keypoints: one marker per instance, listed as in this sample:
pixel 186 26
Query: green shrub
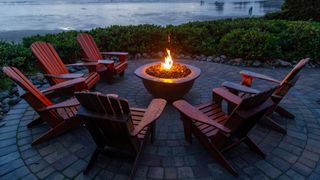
pixel 134 39
pixel 65 43
pixel 190 39
pixel 300 40
pixel 5 82
pixel 14 55
pixel 299 10
pixel 288 40
pixel 250 44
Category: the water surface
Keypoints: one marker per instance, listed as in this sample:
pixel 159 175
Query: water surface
pixel 17 15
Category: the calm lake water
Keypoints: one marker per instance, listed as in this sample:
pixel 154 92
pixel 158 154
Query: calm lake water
pixel 17 15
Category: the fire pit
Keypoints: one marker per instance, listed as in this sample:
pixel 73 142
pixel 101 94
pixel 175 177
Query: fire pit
pixel 167 80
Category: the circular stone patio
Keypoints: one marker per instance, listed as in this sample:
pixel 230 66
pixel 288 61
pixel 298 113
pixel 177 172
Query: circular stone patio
pixel 291 156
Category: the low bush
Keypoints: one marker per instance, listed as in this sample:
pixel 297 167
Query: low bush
pixel 134 39
pixel 14 55
pixel 300 39
pixel 250 44
pixel 265 39
pixel 298 10
pixel 65 44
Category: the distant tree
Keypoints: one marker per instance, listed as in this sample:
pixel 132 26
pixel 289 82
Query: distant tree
pixel 301 10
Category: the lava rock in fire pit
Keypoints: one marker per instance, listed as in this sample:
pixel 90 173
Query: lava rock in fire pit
pixel 176 71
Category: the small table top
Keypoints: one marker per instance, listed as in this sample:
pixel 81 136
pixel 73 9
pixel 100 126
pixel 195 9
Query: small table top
pixel 105 61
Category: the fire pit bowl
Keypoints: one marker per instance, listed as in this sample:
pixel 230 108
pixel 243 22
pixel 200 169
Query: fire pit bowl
pixel 169 89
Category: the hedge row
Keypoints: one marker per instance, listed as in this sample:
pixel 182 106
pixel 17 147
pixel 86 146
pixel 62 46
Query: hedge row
pixel 253 38
pixel 246 38
pixel 306 10
pixel 15 55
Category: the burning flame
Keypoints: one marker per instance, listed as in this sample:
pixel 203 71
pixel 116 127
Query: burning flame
pixel 167 61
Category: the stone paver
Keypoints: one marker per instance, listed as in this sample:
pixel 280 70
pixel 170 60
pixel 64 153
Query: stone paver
pixel 292 156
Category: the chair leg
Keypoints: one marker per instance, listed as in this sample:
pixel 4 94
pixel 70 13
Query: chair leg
pixel 93 88
pixel 283 112
pixel 134 166
pixel 217 155
pixel 215 152
pixel 268 121
pixel 92 160
pixel 254 147
pixel 56 131
pixel 121 74
pixel 187 130
pixel 35 122
pixel 109 76
pixel 152 132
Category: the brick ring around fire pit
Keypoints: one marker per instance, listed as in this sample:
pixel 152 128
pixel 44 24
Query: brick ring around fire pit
pixel 169 89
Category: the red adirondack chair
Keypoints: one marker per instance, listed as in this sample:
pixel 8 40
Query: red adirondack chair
pixel 215 128
pixel 112 123
pixel 285 85
pixel 93 54
pixel 60 117
pixel 56 71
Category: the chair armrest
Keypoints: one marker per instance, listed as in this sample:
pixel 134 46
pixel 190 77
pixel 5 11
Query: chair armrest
pixel 250 74
pixel 187 109
pixel 121 55
pixel 225 94
pixel 64 76
pixel 106 62
pixel 115 53
pixel 239 88
pixel 276 97
pixel 152 113
pixel 63 85
pixel 65 104
pixel 83 64
pixel 86 60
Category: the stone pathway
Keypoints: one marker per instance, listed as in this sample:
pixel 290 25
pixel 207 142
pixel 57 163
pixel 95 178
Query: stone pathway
pixel 292 156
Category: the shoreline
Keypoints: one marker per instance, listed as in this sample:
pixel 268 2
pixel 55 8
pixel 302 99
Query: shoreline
pixel 16 36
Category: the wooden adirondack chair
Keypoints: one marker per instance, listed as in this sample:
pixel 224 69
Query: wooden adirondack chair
pixel 92 54
pixel 112 123
pixel 60 117
pixel 56 72
pixel 285 85
pixel 215 129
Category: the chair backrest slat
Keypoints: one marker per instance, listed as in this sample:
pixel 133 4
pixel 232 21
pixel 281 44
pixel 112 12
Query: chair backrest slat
pixel 291 78
pixel 108 119
pixel 27 85
pixel 94 102
pixel 125 106
pixel 89 47
pixel 36 99
pixel 298 67
pixel 114 101
pixel 250 110
pixel 49 59
pixel 110 104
